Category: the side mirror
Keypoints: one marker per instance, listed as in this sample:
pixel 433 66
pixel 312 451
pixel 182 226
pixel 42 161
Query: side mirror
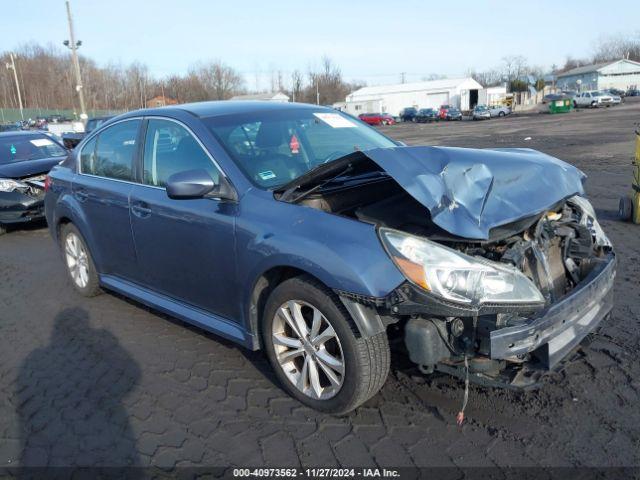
pixel 189 184
pixel 193 184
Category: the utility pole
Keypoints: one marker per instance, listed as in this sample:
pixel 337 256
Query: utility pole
pixel 402 76
pixel 73 45
pixel 12 66
pixel 317 92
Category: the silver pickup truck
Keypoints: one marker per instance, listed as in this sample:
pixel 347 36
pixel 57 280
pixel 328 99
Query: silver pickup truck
pixel 592 99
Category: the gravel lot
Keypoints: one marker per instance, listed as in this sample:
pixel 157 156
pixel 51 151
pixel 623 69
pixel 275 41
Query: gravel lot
pixel 106 381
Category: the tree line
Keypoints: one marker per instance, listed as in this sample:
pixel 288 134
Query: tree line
pixel 47 81
pixel 514 67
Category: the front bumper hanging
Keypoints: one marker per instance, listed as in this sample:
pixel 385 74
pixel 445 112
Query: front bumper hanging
pixel 18 207
pixel 557 330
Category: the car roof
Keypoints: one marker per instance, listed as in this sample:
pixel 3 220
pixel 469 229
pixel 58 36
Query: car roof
pixel 226 107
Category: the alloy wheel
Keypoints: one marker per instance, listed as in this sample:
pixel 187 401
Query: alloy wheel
pixel 308 349
pixel 77 260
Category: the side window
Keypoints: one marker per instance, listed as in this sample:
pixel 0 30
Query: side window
pixel 169 148
pixel 115 150
pixel 88 157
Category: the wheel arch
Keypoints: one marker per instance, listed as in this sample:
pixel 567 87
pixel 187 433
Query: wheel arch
pixel 262 288
pixel 67 211
pixel 365 320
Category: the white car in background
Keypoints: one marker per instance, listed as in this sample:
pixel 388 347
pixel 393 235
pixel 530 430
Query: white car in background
pixel 499 110
pixel 593 99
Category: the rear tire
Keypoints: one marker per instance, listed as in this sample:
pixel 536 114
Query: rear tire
pixel 357 367
pixel 80 267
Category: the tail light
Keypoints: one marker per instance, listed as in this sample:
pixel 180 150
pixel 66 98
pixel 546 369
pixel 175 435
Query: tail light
pixel 47 183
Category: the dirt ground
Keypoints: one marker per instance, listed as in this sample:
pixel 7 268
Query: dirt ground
pixel 105 381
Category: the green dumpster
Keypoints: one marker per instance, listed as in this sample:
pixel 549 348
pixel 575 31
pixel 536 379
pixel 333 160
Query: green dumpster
pixel 562 105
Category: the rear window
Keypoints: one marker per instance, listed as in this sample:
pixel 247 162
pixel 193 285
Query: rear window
pixel 19 148
pixel 110 154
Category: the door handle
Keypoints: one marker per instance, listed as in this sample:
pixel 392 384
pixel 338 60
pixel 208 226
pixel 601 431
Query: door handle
pixel 141 209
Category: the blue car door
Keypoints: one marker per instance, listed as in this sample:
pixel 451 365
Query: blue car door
pixel 102 190
pixel 186 248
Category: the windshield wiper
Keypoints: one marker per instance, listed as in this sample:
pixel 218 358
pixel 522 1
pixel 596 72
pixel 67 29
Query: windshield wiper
pixel 287 194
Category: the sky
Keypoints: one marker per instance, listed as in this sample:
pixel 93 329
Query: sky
pixel 372 41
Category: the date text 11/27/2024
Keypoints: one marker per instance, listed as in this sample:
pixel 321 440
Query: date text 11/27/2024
pixel 316 472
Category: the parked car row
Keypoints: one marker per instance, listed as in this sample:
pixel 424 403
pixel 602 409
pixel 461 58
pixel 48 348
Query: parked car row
pixel 449 112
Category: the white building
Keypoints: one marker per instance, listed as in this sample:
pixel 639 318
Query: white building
pixel 492 95
pixel 269 97
pixel 621 74
pixel 459 92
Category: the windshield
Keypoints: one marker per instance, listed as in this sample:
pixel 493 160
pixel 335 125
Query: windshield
pixel 19 148
pixel 275 147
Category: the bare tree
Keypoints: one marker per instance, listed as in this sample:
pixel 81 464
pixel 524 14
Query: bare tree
pixel 220 81
pixel 326 85
pixel 297 83
pixel 488 78
pixel 616 47
pixel 514 66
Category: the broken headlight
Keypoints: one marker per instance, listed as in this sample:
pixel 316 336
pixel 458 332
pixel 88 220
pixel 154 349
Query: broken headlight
pixel 8 185
pixel 455 276
pixel 590 221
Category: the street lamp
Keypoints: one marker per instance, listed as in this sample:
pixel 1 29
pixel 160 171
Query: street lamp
pixel 73 46
pixel 12 66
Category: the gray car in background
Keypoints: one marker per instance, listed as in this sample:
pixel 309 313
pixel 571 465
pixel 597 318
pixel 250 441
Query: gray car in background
pixel 480 112
pixel 499 110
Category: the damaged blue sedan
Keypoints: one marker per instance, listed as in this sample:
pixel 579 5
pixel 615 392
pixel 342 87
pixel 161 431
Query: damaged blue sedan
pixel 305 233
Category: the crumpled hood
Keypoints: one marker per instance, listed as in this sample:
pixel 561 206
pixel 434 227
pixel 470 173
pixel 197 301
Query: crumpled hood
pixel 470 191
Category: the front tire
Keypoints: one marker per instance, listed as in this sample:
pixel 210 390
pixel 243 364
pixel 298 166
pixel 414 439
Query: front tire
pixel 80 267
pixel 315 350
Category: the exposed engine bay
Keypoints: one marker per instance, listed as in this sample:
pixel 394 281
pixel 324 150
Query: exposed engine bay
pixel 557 250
